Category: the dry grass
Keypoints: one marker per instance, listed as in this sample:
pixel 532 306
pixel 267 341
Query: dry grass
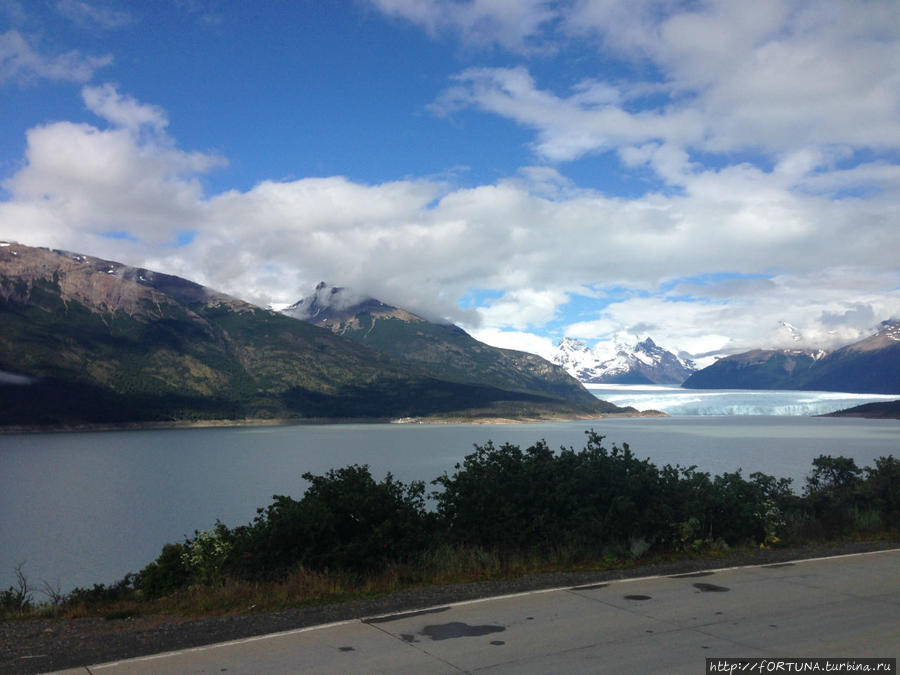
pixel 303 587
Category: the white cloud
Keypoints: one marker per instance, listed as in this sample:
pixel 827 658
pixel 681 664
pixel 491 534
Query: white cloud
pixel 773 77
pixel 521 341
pixel 512 24
pixel 567 128
pixel 98 181
pixel 21 63
pixel 123 111
pixel 91 16
pixel 423 246
pixel 772 128
pixel 525 307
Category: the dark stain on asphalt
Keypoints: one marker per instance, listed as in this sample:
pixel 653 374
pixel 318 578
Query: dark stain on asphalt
pixel 691 575
pixel 710 588
pixel 497 643
pixel 638 597
pixel 776 565
pixel 346 649
pixel 589 587
pixel 457 629
pixel 405 615
pixel 408 637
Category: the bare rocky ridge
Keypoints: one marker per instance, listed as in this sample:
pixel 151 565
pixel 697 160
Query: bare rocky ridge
pixel 101 285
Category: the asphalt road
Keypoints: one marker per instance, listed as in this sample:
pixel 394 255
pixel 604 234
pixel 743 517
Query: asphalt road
pixel 847 606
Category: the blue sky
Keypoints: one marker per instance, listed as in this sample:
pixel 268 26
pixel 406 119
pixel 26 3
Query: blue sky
pixel 693 171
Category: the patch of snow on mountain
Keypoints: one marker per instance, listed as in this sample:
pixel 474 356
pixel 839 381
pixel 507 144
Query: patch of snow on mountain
pixel 325 297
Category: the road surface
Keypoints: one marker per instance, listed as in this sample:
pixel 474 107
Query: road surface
pixel 847 606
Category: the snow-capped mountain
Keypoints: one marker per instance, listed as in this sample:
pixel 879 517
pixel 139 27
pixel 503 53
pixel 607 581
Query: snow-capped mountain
pixel 627 362
pixel 869 366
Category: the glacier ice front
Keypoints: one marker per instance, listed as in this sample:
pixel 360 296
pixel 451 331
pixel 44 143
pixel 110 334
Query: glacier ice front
pixel 678 401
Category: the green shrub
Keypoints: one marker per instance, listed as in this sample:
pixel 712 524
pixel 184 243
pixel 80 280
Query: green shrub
pixel 101 594
pixel 833 493
pixel 504 504
pixel 166 574
pixel 204 556
pixel 533 499
pixel 345 521
pixel 882 489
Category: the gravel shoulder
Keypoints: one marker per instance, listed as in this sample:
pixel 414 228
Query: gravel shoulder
pixel 34 646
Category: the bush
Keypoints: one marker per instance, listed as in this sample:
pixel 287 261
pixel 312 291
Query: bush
pixel 503 504
pixel 500 497
pixel 204 556
pixel 832 493
pixel 101 594
pixel 534 500
pixel 345 521
pixel 882 489
pixel 166 574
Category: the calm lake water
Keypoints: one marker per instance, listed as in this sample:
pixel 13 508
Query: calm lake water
pixel 86 508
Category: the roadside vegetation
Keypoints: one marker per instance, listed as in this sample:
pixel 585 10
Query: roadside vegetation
pixel 503 512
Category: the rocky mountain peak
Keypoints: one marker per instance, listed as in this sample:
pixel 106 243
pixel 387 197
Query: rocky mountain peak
pixel 625 360
pixel 335 306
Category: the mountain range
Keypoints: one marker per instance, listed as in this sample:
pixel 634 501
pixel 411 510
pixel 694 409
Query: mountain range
pixel 442 348
pixel 629 362
pixel 870 366
pixel 91 341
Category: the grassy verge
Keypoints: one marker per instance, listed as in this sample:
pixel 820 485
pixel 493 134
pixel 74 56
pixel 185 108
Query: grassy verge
pixel 442 567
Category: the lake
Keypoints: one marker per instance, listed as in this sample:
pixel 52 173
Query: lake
pixel 86 508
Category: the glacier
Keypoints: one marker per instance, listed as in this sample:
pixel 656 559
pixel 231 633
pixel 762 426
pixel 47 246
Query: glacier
pixel 677 401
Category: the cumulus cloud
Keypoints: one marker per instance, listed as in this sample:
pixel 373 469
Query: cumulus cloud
pixel 80 182
pixel 22 63
pixel 764 76
pixel 808 94
pixel 422 245
pixel 771 128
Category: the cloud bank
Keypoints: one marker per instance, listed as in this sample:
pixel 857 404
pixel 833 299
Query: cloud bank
pixel 768 134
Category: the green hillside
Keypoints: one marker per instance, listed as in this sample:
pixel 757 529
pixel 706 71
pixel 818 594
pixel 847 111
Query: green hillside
pixel 102 343
pixel 444 349
pixel 870 366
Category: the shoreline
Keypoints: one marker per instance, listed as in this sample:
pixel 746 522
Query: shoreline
pixel 880 410
pixel 290 422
